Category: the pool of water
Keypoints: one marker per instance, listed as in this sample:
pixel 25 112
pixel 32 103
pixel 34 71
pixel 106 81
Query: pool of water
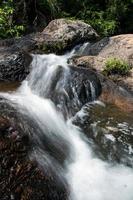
pixel 111 132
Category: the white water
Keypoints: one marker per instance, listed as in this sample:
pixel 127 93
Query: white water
pixel 89 178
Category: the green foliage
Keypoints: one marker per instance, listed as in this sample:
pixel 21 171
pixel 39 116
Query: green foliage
pixel 7 27
pixel 98 21
pixel 51 7
pixel 108 17
pixel 116 66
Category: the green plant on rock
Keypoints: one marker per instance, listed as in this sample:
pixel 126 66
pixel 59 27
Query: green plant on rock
pixel 116 66
pixel 7 27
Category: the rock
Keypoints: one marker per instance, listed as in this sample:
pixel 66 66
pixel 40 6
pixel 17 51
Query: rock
pixel 63 34
pixel 82 86
pixel 115 94
pixel 4 123
pixel 115 89
pixel 111 91
pixel 110 128
pixel 71 88
pixel 21 177
pixel 121 47
pixel 25 43
pixel 58 36
pixel 14 66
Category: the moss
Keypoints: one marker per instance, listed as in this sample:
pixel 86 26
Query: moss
pixel 52 47
pixel 116 66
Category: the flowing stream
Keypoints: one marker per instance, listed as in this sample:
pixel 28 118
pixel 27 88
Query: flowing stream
pixel 73 160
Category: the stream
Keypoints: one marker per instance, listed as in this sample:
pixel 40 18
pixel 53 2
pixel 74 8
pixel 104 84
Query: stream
pixel 90 150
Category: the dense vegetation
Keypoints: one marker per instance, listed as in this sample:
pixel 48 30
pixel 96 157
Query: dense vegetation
pixel 108 17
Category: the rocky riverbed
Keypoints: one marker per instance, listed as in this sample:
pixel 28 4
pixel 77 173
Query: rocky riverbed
pixel 108 126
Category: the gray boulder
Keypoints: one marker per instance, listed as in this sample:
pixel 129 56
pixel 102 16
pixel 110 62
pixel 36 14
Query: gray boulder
pixel 62 34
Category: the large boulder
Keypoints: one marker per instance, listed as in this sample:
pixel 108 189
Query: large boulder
pixel 63 34
pixel 120 46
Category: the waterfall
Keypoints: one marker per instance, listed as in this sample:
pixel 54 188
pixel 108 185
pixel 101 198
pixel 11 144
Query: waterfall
pixel 68 152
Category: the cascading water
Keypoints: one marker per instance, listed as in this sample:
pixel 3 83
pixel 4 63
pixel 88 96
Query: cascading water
pixel 67 149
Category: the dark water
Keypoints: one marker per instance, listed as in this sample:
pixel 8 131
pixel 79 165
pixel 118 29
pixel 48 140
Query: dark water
pixel 111 130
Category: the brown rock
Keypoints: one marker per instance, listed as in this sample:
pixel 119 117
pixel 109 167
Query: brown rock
pixel 115 89
pixel 4 123
pixel 121 47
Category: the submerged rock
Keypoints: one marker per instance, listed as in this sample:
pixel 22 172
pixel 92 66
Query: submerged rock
pixel 110 132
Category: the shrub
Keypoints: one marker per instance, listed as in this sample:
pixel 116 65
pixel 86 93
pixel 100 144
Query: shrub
pixel 7 27
pixel 116 66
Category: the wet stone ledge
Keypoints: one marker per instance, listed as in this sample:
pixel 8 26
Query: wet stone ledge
pixel 20 177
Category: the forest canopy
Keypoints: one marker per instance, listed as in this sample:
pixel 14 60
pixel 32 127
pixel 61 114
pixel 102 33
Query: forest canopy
pixel 108 17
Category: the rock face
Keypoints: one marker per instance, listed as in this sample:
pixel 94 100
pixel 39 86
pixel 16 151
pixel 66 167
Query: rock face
pixel 112 92
pixel 20 176
pixel 14 66
pixel 115 89
pixel 80 87
pixel 120 46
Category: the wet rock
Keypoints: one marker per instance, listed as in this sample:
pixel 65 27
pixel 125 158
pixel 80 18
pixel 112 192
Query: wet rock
pixel 14 66
pixel 111 91
pixel 22 177
pixel 109 130
pixel 4 124
pixel 115 94
pixel 59 36
pixel 115 89
pixel 71 89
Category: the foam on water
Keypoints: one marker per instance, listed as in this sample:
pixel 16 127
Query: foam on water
pixel 89 178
